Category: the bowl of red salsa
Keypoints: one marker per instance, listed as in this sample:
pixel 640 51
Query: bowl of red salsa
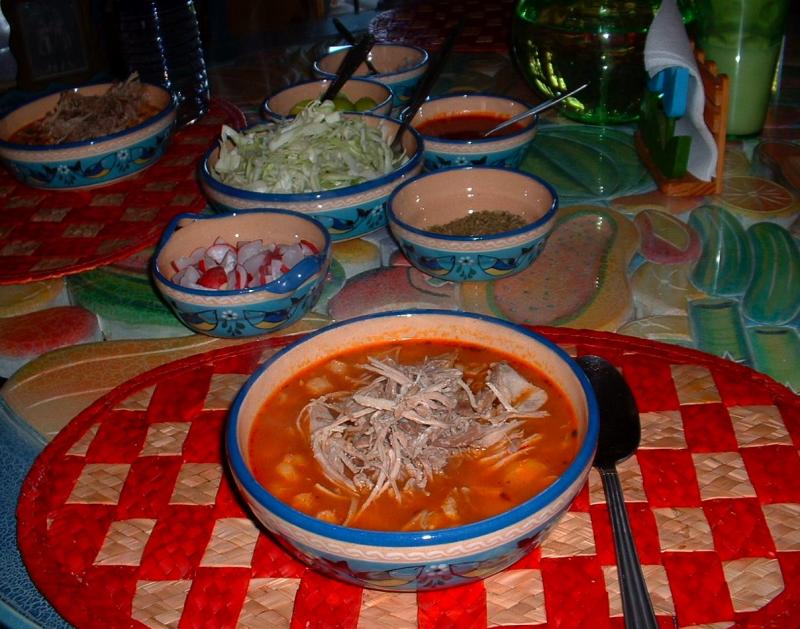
pixel 452 127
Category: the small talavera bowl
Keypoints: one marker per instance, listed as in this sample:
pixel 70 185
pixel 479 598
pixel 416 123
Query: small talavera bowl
pixel 399 66
pixel 348 212
pixel 97 162
pixel 418 560
pixel 449 194
pixel 496 150
pixel 249 311
pixel 278 106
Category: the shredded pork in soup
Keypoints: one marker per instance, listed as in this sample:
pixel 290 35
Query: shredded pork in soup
pixel 413 436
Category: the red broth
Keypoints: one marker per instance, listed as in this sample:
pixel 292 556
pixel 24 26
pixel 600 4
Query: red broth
pixel 282 459
pixel 470 126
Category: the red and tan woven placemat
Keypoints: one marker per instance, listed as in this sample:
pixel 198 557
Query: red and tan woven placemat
pixel 128 517
pixel 46 234
pixel 487 25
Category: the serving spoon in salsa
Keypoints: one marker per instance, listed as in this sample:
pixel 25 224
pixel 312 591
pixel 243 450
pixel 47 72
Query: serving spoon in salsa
pixel 533 111
pixel 620 432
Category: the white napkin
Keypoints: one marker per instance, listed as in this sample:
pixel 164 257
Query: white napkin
pixel 668 45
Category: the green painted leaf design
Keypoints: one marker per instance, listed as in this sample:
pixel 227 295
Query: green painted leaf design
pixel 773 296
pixel 726 262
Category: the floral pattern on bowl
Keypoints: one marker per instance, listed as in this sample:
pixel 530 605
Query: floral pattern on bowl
pixel 451 194
pixel 401 67
pixel 411 561
pixel 251 311
pixel 348 212
pixel 503 150
pixel 92 163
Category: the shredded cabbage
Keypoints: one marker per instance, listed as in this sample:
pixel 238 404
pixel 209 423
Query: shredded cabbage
pixel 320 149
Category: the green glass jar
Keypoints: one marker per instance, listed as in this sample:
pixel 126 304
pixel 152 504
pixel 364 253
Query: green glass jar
pixel 561 44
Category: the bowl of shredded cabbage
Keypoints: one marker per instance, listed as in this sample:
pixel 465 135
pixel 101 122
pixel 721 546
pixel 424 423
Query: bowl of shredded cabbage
pixel 336 166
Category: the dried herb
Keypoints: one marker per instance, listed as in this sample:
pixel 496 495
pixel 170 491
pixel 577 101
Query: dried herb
pixel 481 223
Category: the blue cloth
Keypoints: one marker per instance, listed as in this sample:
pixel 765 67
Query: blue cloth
pixel 21 604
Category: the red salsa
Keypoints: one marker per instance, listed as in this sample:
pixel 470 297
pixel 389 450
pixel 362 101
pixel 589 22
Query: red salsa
pixel 470 126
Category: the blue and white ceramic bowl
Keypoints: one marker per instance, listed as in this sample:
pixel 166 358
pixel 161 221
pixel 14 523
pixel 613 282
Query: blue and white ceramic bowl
pixel 97 162
pixel 497 150
pixel 399 66
pixel 452 193
pixel 278 106
pixel 250 311
pixel 348 212
pixel 419 560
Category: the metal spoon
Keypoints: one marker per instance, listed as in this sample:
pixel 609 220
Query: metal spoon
pixel 619 438
pixel 533 111
pixel 354 58
pixel 425 85
pixel 351 39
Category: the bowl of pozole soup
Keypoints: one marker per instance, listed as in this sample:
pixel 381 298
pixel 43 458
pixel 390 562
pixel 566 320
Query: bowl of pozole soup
pixel 88 136
pixel 413 450
pixel 452 128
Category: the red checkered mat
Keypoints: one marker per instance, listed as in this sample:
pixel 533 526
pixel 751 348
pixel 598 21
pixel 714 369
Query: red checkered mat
pixel 128 518
pixel 487 25
pixel 46 234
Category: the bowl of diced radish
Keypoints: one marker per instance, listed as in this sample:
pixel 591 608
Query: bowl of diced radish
pixel 242 274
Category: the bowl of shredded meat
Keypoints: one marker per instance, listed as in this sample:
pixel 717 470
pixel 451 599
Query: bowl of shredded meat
pixel 87 136
pixel 413 450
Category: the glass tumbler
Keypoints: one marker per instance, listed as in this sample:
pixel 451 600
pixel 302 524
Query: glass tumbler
pixel 744 38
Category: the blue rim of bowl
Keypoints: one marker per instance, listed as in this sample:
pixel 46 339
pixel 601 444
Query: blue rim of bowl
pixel 384 75
pixel 266 288
pixel 547 216
pixel 163 113
pixel 266 197
pixel 583 457
pixel 480 141
pixel 265 110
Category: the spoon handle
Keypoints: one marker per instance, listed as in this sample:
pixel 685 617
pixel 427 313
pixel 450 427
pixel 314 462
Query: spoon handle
pixel 352 60
pixel 533 111
pixel 351 39
pixel 636 604
pixel 425 84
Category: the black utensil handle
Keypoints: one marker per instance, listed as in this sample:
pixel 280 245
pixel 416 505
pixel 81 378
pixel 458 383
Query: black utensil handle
pixel 636 604
pixel 351 39
pixel 426 82
pixel 354 58
pixel 344 31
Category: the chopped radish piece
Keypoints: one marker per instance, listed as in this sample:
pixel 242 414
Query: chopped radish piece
pixel 215 278
pixel 249 264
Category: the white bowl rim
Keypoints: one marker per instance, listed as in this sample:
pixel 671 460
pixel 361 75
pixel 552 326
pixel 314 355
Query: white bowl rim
pixel 527 128
pixel 166 111
pixel 266 197
pixel 582 460
pixel 266 110
pixel 416 66
pixel 319 259
pixel 547 216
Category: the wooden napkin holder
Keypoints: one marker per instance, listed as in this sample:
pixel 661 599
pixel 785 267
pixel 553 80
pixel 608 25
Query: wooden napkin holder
pixel 715 114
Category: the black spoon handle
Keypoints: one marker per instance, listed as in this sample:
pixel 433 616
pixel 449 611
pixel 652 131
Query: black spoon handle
pixel 351 39
pixel 426 84
pixel 636 604
pixel 354 58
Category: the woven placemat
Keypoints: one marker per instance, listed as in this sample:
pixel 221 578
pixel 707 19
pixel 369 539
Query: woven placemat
pixel 46 234
pixel 486 28
pixel 128 518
